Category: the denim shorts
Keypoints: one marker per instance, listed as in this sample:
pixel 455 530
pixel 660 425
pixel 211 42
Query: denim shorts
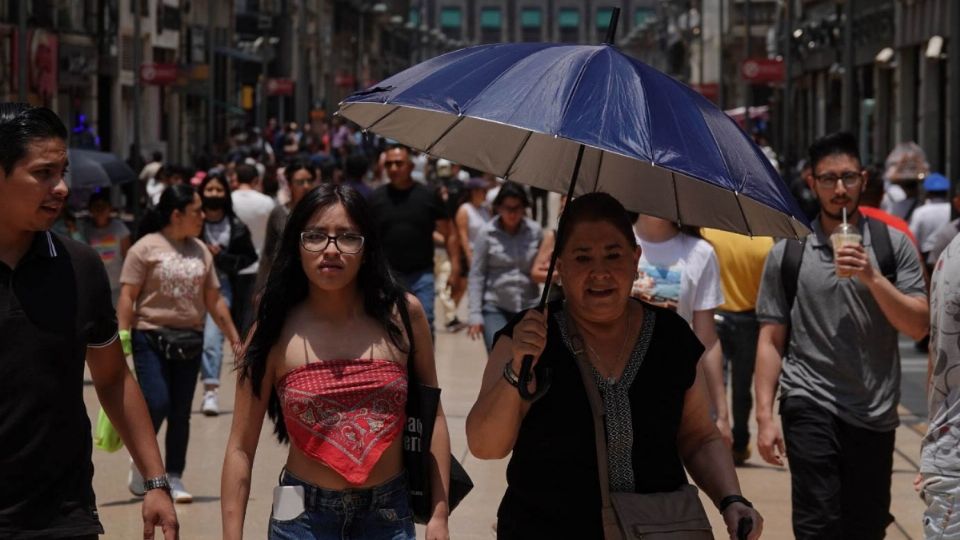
pixel 379 513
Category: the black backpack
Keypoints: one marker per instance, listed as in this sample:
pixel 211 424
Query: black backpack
pixel 793 257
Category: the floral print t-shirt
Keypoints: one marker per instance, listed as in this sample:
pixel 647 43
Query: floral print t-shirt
pixel 173 278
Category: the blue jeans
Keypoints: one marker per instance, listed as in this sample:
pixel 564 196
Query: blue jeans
pixel 738 334
pixel 168 387
pixel 213 339
pixel 378 513
pixel 420 284
pixel 494 319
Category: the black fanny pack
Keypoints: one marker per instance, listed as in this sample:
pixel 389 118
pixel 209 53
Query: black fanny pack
pixel 176 344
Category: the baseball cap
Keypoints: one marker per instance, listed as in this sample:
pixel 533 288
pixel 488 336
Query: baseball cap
pixel 936 182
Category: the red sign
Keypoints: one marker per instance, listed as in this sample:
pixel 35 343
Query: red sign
pixel 159 74
pixel 344 80
pixel 280 87
pixel 762 70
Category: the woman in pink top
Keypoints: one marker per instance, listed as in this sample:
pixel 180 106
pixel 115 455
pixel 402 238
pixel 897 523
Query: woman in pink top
pixel 327 360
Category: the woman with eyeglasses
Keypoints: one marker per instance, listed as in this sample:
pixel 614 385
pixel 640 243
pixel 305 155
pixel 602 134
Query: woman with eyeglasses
pixel 231 245
pixel 300 177
pixel 328 362
pixel 500 285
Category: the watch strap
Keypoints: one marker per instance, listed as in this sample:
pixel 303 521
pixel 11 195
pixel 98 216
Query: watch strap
pixel 731 499
pixel 157 482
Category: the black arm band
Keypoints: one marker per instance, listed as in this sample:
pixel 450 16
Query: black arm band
pixel 730 499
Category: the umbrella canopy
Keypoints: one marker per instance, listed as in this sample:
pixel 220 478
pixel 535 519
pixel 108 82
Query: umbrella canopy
pixel 522 111
pixel 91 169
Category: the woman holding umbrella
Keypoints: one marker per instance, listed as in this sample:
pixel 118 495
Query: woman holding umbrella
pixel 642 359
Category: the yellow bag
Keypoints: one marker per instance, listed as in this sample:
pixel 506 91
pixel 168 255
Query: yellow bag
pixel 105 436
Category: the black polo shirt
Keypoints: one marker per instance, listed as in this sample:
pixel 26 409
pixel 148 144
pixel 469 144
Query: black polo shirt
pixel 53 305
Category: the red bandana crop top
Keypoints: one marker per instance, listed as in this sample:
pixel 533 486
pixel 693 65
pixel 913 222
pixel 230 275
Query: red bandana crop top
pixel 344 413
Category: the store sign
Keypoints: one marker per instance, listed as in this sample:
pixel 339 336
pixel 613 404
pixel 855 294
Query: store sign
pixel 280 87
pixel 762 70
pixel 159 74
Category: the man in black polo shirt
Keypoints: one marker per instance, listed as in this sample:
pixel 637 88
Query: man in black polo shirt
pixel 55 311
pixel 408 214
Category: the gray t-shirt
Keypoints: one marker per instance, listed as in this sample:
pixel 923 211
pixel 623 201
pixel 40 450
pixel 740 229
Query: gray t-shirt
pixel 842 352
pixel 940 449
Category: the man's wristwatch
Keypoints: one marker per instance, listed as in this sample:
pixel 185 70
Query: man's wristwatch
pixel 157 482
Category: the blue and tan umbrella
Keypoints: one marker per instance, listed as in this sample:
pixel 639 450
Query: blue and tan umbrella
pixel 578 119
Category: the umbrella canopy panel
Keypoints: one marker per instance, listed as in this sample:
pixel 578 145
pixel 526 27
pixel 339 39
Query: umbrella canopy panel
pixel 521 111
pixel 91 169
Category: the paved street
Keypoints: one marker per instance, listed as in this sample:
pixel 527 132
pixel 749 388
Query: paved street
pixel 460 364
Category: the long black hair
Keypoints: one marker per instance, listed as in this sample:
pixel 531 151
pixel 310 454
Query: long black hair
pixel 287 286
pixel 222 178
pixel 176 197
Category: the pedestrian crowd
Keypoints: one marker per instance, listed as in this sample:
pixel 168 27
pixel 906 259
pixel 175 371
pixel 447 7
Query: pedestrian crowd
pixel 326 259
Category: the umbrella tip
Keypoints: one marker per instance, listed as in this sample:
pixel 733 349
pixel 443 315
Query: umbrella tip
pixel 612 27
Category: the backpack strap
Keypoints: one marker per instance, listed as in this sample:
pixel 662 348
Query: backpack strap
pixel 790 270
pixel 883 249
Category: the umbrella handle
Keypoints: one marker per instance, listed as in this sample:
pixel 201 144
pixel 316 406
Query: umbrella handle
pixel 543 383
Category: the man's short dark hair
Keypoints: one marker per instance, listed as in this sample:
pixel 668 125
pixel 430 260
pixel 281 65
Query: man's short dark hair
pixel 872 193
pixel 405 148
pixel 157 156
pixel 21 124
pixel 246 174
pixel 839 143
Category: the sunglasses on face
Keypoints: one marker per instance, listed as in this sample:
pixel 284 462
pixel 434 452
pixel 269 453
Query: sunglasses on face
pixel 389 164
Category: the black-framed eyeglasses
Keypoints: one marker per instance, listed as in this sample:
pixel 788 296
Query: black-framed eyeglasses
pixel 829 180
pixel 316 241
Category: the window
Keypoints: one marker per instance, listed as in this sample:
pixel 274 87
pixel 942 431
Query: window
pixel 451 21
pixel 569 18
pixel 642 15
pixel 604 15
pixel 490 18
pixel 531 23
pixel 414 17
pixel 450 17
pixel 530 18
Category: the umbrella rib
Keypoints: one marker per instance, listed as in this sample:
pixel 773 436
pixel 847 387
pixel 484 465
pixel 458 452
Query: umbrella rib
pixel 596 184
pixel 736 196
pixel 393 110
pixel 444 134
pixel 676 196
pixel 516 156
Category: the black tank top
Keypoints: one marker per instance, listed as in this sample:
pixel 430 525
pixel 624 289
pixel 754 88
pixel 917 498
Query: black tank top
pixel 552 486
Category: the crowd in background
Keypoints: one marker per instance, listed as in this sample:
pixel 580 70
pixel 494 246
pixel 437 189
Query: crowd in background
pixel 449 234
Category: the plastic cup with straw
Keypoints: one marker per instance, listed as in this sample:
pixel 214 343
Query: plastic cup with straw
pixel 846 234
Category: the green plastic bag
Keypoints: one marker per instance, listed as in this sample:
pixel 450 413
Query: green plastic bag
pixel 105 437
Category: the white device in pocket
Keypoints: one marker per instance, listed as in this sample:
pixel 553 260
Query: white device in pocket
pixel 287 502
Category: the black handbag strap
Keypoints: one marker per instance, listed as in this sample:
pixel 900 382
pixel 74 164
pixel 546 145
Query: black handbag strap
pixel 408 328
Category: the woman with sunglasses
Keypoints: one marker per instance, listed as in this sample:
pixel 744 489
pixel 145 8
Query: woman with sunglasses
pixel 500 285
pixel 328 361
